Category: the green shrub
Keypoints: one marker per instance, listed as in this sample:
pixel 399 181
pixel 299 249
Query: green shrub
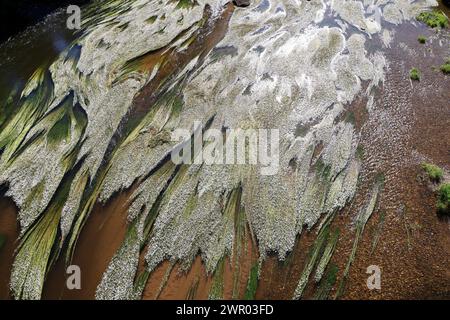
pixel 414 74
pixel 422 39
pixel 443 203
pixel 434 172
pixel 434 19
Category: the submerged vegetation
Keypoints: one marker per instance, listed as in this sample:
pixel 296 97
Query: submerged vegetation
pixel 434 19
pixel 434 172
pixel 378 230
pixel 327 283
pixel 185 4
pixel 216 291
pixel 252 283
pixel 361 221
pixel 319 256
pixel 192 292
pixel 360 152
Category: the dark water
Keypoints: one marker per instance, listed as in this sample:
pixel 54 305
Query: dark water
pixel 444 5
pixel 38 46
pixel 17 15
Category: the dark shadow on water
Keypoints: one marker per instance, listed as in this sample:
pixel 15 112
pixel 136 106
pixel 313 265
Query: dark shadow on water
pixel 17 15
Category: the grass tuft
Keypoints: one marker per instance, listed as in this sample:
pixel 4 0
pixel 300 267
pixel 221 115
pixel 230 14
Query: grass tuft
pixel 422 39
pixel 443 203
pixel 434 172
pixel 434 19
pixel 445 68
pixel 414 74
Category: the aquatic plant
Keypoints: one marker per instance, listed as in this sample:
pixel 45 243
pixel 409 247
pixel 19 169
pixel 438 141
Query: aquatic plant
pixel 319 256
pixel 361 220
pixel 35 99
pixel 376 238
pixel 326 255
pixel 252 283
pixel 193 290
pixel 242 237
pixel 39 248
pixel 327 283
pixel 216 291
